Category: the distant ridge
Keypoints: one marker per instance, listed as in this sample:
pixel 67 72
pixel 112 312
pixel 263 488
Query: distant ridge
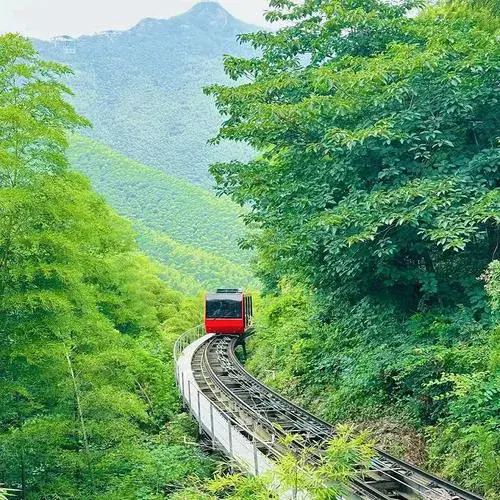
pixel 142 90
pixel 142 87
pixel 203 11
pixel 212 12
pixel 208 14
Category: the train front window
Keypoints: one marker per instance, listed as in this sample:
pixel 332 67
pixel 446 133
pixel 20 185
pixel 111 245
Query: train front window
pixel 223 309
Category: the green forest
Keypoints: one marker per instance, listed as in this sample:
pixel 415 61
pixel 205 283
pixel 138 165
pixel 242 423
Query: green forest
pixel 88 404
pixel 369 219
pixel 377 193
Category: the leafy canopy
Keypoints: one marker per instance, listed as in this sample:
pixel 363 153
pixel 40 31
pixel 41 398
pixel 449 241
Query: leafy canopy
pixel 84 386
pixel 34 115
pixel 376 191
pixel 378 134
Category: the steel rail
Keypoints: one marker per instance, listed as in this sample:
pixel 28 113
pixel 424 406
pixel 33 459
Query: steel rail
pixel 384 463
pixel 205 377
pixel 361 488
pixel 227 382
pixel 272 447
pixel 303 420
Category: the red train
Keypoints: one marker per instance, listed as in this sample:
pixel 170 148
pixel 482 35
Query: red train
pixel 228 311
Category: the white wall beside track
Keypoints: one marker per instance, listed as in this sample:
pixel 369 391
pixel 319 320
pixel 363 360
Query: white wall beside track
pixel 211 419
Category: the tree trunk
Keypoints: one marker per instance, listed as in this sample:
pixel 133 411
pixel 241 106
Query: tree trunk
pixel 81 419
pixel 23 473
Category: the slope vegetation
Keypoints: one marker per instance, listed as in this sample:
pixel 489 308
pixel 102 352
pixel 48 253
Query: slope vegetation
pixel 89 410
pixel 181 225
pixel 378 194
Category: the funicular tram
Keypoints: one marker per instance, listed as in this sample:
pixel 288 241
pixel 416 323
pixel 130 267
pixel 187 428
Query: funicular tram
pixel 228 311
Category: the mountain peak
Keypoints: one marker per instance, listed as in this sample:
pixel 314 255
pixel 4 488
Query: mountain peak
pixel 211 13
pixel 208 8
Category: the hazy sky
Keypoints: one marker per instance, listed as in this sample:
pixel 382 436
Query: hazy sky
pixel 48 18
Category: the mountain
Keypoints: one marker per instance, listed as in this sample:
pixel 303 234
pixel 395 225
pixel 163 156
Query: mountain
pixel 142 88
pixel 183 226
pixel 147 152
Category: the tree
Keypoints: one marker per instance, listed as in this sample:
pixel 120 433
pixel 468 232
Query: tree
pixel 376 198
pixel 33 112
pixel 82 374
pixel 378 166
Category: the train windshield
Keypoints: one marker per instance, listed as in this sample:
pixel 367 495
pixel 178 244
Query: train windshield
pixel 223 308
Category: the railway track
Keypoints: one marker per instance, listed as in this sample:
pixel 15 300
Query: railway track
pixel 264 417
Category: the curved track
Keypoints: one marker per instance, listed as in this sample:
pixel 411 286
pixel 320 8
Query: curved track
pixel 265 417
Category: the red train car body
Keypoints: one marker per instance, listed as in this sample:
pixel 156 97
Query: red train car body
pixel 228 312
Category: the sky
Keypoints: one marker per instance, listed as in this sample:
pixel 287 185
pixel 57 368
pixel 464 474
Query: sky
pixel 48 18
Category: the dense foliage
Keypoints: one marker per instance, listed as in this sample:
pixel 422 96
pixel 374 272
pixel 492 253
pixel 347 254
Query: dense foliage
pixel 380 158
pixel 436 373
pixel 377 189
pixel 376 196
pixel 141 88
pixel 344 456
pixel 180 225
pixel 88 407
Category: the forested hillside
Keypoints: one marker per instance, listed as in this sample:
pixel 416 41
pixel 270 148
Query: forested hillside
pixel 372 205
pixel 88 407
pixel 377 191
pixel 141 88
pixel 181 225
